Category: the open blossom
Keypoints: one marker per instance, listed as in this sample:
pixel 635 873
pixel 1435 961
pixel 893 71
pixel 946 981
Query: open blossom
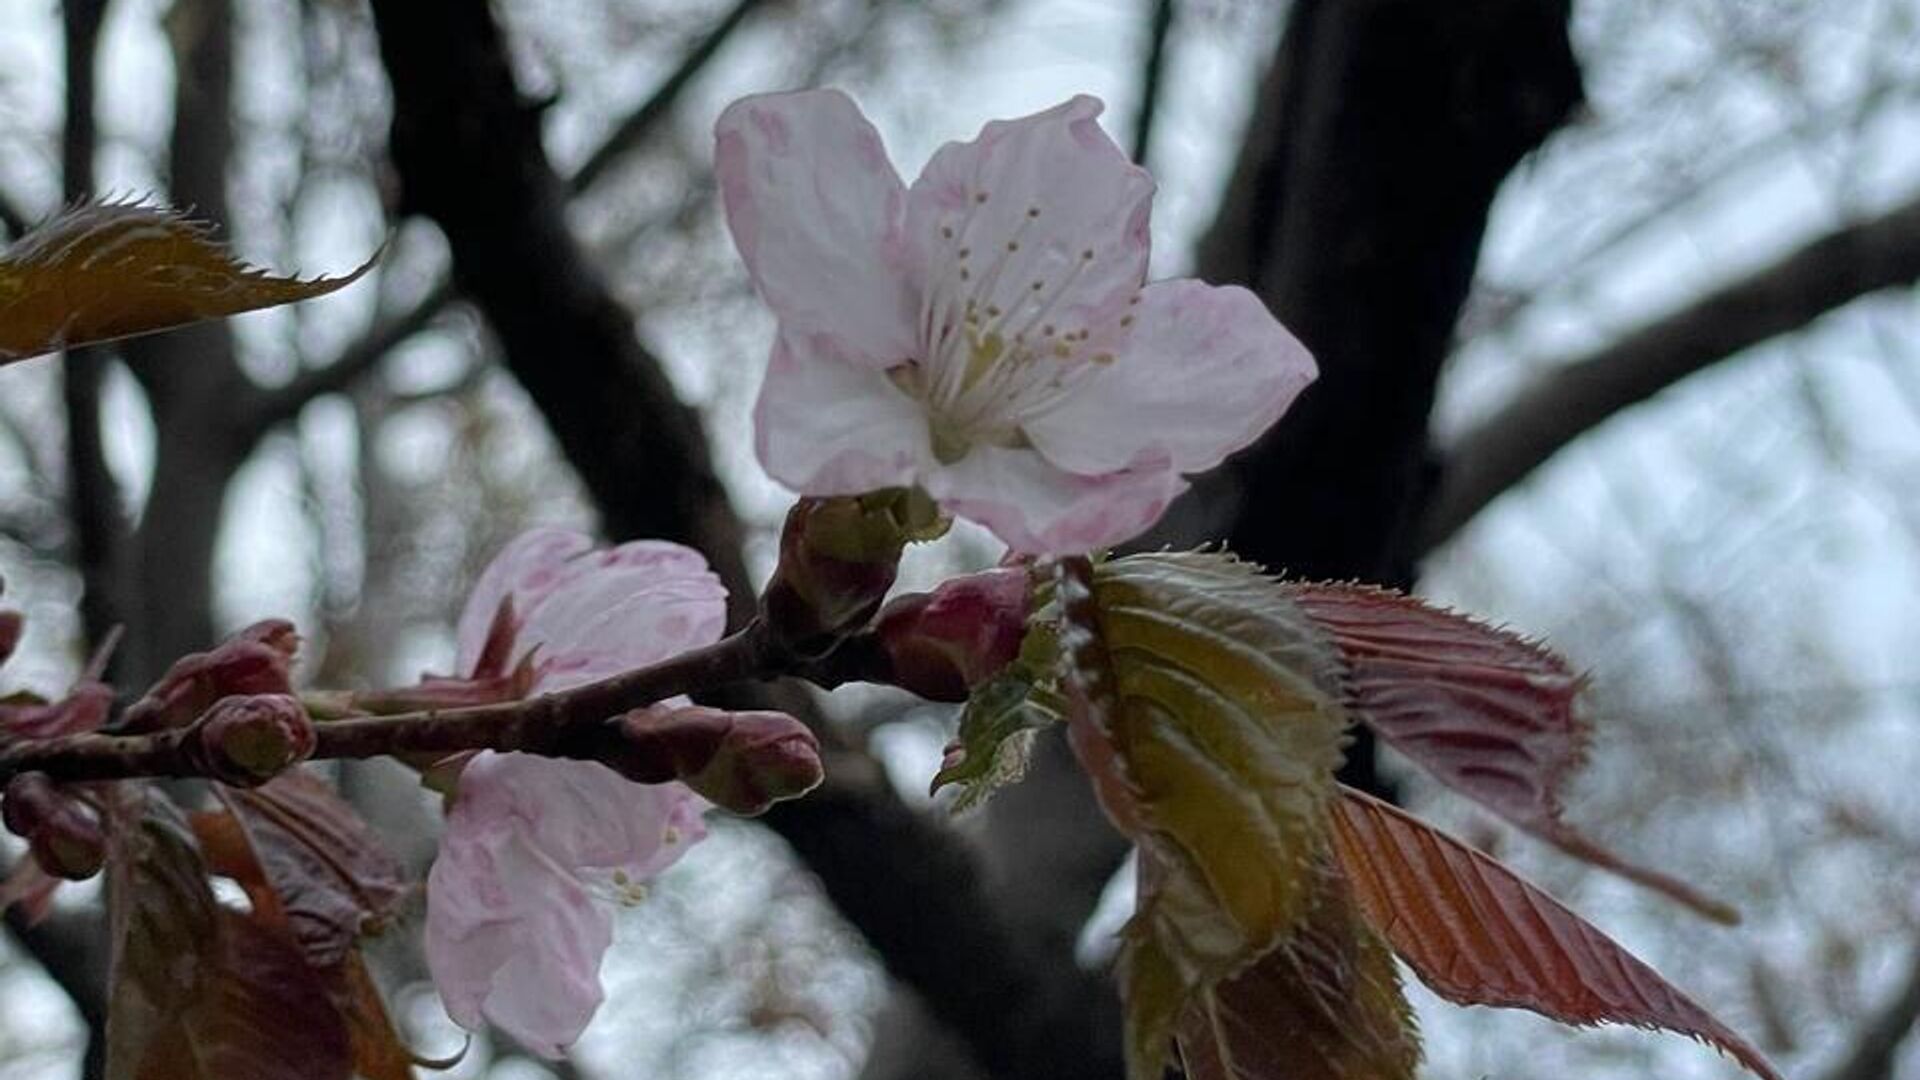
pixel 987 333
pixel 538 852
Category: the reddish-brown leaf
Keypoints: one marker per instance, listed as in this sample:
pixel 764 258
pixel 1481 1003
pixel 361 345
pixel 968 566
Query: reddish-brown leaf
pixel 378 1052
pixel 1487 712
pixel 1323 1005
pixel 332 878
pixel 114 270
pixel 200 992
pixel 1479 934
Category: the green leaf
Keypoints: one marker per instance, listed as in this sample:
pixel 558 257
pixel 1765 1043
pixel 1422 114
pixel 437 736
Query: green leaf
pixel 1325 1004
pixel 1206 706
pixel 112 270
pixel 200 992
pixel 997 726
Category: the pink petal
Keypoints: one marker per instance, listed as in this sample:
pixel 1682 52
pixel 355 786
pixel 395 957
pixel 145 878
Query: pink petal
pixel 816 208
pixel 514 934
pixel 824 426
pixel 1204 371
pixel 510 940
pixel 528 568
pixel 637 604
pixel 581 815
pixel 1040 509
pixel 1025 202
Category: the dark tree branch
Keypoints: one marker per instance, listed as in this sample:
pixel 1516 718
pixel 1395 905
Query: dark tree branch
pixel 1573 398
pixel 468 150
pixel 1153 76
pixel 642 122
pixel 269 408
pixel 272 407
pixel 93 499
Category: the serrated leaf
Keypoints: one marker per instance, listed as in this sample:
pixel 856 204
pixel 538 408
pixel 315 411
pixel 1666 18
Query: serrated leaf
pixel 1479 934
pixel 1204 706
pixel 199 992
pixel 1323 1005
pixel 103 271
pixel 331 878
pixel 1488 713
pixel 995 738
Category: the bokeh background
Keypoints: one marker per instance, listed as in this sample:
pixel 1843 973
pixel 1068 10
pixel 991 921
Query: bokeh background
pixel 1671 267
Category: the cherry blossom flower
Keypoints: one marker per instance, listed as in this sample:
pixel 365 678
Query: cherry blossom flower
pixel 987 333
pixel 539 852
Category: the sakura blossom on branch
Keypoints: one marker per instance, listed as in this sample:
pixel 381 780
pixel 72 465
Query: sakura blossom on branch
pixel 538 852
pixel 988 333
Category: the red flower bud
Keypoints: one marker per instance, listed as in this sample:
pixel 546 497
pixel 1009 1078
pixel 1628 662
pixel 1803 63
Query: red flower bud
pixel 942 644
pixel 253 661
pixel 741 761
pixel 61 830
pixel 247 741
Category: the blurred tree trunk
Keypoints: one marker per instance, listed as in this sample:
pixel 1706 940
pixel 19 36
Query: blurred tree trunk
pixel 192 380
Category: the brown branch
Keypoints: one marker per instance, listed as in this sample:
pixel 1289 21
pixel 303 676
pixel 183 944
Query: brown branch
pixel 1574 398
pixel 571 723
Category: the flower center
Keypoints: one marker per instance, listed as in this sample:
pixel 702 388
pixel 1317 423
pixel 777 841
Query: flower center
pixel 1003 331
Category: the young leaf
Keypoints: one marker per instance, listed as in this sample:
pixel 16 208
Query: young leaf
pixel 1323 1005
pixel 1204 707
pixel 997 726
pixel 331 878
pixel 200 992
pixel 102 271
pixel 1488 713
pixel 995 738
pixel 1479 934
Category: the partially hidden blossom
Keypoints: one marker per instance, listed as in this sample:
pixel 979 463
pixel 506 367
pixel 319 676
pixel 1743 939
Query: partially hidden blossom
pixel 539 852
pixel 987 333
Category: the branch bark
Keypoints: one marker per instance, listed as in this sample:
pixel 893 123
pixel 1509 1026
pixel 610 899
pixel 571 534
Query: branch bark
pixel 1573 398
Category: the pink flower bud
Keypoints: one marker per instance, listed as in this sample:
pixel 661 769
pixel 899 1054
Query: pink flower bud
pixel 944 643
pixel 61 830
pixel 246 741
pixel 253 661
pixel 742 761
